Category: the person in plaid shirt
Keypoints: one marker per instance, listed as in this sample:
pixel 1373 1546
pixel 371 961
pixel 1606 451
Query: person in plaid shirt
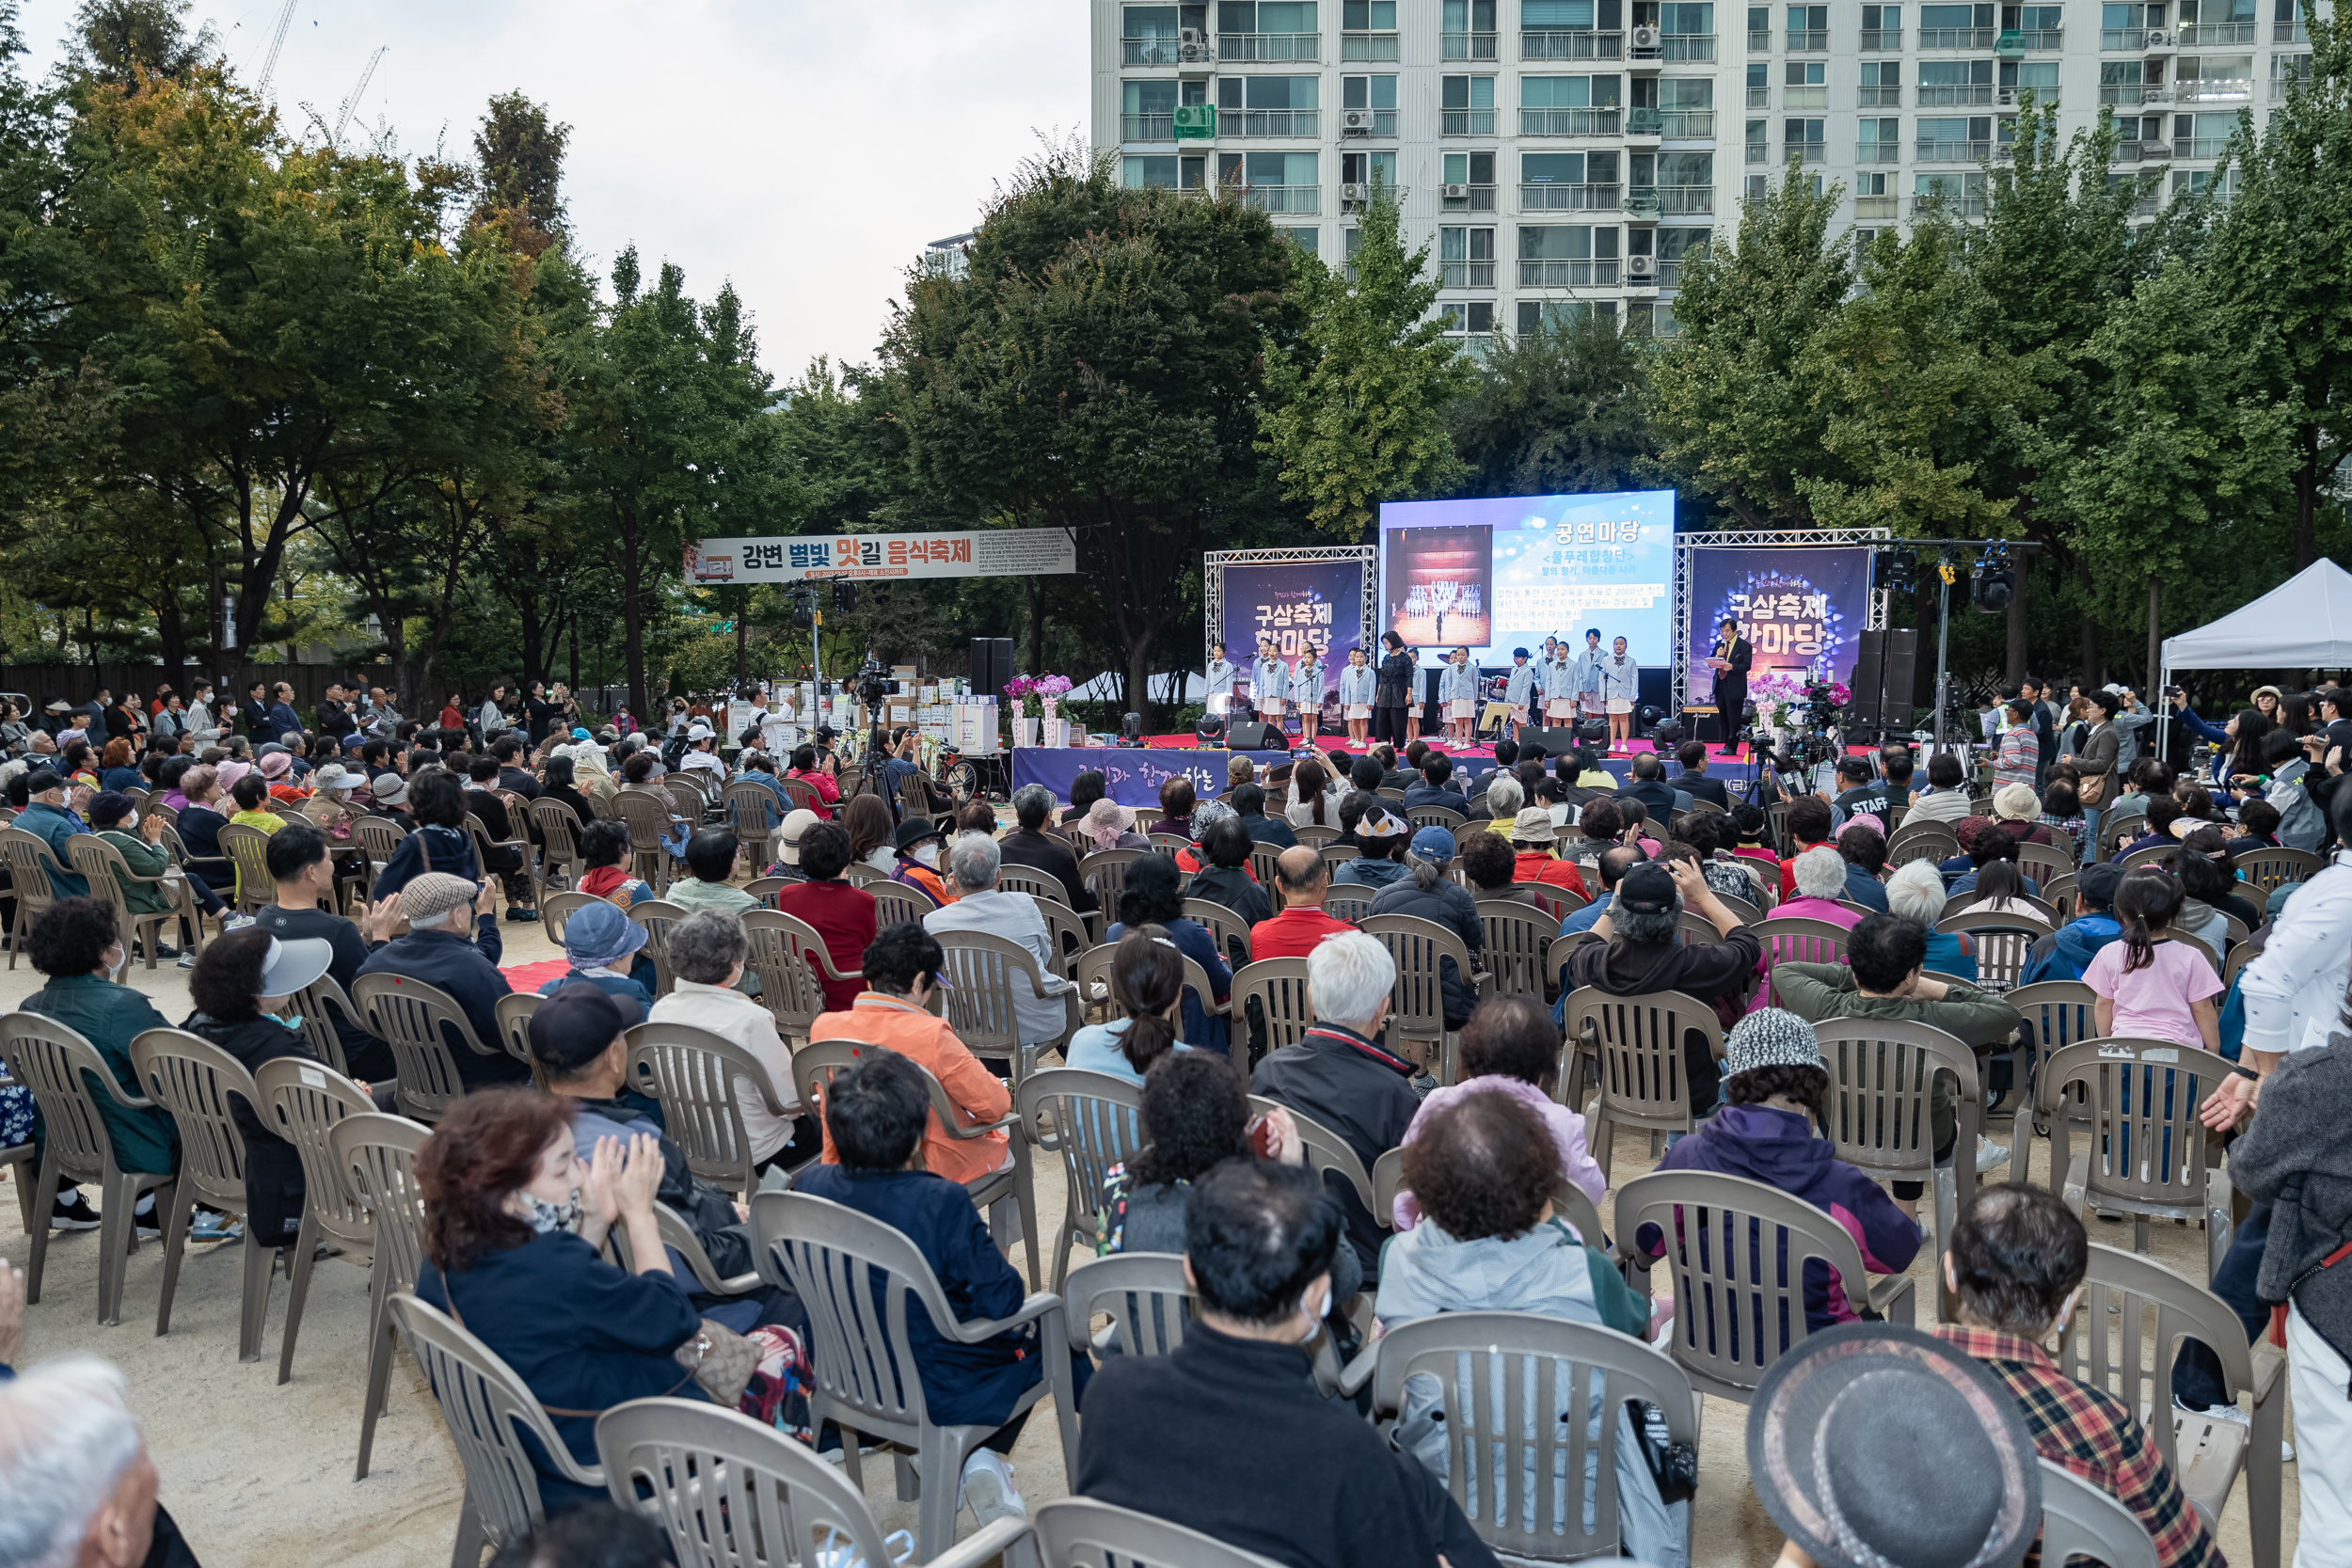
pixel 2017 1262
pixel 2019 760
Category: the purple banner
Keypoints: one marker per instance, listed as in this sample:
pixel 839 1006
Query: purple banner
pixel 1131 775
pixel 1801 610
pixel 1317 604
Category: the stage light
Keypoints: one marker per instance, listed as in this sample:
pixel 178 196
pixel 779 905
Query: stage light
pixel 1131 730
pixel 1592 729
pixel 1994 584
pixel 1668 734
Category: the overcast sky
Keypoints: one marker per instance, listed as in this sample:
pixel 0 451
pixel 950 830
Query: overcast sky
pixel 807 152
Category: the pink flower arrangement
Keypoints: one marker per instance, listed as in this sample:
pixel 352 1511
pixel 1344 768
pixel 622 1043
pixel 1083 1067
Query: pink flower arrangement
pixel 1030 689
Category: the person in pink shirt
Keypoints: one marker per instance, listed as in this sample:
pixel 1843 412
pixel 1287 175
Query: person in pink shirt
pixel 1820 880
pixel 2151 985
pixel 1511 1046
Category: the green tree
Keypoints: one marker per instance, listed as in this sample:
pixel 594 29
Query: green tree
pixel 118 41
pixel 518 171
pixel 1355 413
pixel 1560 410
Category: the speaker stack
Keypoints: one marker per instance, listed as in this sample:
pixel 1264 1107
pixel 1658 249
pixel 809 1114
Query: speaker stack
pixel 992 665
pixel 1885 679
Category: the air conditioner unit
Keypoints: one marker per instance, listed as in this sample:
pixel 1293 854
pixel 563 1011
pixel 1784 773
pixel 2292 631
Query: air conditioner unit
pixel 1193 54
pixel 1355 193
pixel 1191 38
pixel 2159 40
pixel 1355 122
pixel 1640 268
pixel 1457 193
pixel 1645 38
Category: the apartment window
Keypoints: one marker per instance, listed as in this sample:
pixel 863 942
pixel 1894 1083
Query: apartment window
pixel 2039 77
pixel 1273 181
pixel 1753 187
pixel 1882 84
pixel 2036 26
pixel 1961 192
pixel 1153 34
pixel 1473 316
pixel 1955 141
pixel 1568 255
pixel 1956 26
pixel 1567 182
pixel 1760 85
pixel 1882 26
pixel 1686 182
pixel 2122 80
pixel 1758 150
pixel 1805 139
pixel 1872 196
pixel 1759 29
pixel 1368 105
pixel 2199 179
pixel 1266 106
pixel 1467 105
pixel 1468 30
pixel 1162 171
pixel 2286 24
pixel 1266 30
pixel 2126 26
pixel 1368 170
pixel 1805 85
pixel 1550 315
pixel 1568 105
pixel 1305 239
pixel 2202 135
pixel 1953 82
pixel 2204 77
pixel 1686 106
pixel 1465 258
pixel 1470 182
pixel 1147 110
pixel 2288 72
pixel 1880 140
pixel 2206 22
pixel 1808 28
pixel 1351 240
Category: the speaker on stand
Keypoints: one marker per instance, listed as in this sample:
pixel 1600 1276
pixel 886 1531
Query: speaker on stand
pixel 1885 679
pixel 992 665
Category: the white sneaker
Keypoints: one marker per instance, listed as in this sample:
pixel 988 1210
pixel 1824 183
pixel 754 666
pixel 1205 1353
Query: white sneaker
pixel 1989 1156
pixel 989 1491
pixel 236 923
pixel 2236 1414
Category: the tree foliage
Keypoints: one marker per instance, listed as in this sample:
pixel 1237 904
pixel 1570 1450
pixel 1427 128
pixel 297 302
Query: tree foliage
pixel 1561 410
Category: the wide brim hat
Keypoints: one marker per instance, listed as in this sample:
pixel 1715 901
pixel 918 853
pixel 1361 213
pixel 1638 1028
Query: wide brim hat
pixel 914 831
pixel 796 822
pixel 1872 1445
pixel 295 963
pixel 1533 825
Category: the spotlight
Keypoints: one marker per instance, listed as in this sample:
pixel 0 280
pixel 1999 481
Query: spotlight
pixel 1131 730
pixel 1668 734
pixel 1995 583
pixel 1592 729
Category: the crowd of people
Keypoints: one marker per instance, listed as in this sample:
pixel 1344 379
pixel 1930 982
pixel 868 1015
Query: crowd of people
pixel 1670 882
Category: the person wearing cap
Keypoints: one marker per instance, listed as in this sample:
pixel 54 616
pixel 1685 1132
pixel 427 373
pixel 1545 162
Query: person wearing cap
pixel 1639 955
pixel 796 825
pixel 700 761
pixel 1046 1016
pixel 917 847
pixel 1427 892
pixel 139 841
pixel 1302 876
pixel 599 945
pixel 842 914
pixel 47 818
pixel 1767 1130
pixel 1533 843
pixel 1382 837
pixel 454 944
pixel 2017 1261
pixel 243 985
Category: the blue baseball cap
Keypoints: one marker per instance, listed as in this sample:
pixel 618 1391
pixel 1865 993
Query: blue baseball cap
pixel 1433 844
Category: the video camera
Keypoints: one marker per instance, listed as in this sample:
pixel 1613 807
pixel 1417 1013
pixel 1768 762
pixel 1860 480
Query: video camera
pixel 872 683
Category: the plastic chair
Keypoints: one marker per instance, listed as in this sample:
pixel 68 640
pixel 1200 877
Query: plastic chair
pixel 688 797
pixel 793 964
pixel 729 1490
pixel 2046 863
pixel 753 813
pixel 1096 1122
pixel 698 1077
pixel 1517 942
pixel 320 1003
pixel 2268 868
pixel 2058 1013
pixel 897 904
pixel 862 1361
pixel 988 976
pixel 1637 1046
pixel 377 1155
pixel 479 832
pixel 1226 929
pixel 1314 837
pixel 1079 1532
pixel 2082 1520
pixel 379 839
pixel 1512 1467
pixel 1327 1153
pixel 27 1171
pixel 2134 1315
pixel 1337 855
pixel 1266 866
pixel 304 1101
pixel 559 846
pixel 1271 994
pixel 248 850
pixel 417 1021
pixel 2155 854
pixel 766 888
pixel 1738 1294
pixel 193 1078
pixel 1104 874
pixel 1068 932
pixel 1149 1302
pixel 1924 840
pixel 30 865
pixel 513 1012
pixel 1417 1004
pixel 60 1067
pixel 1350 901
pixel 557 909
pixel 1037 885
pixel 486 1408
pixel 109 876
pixel 1572 1202
pixel 1880 1109
pixel 1795 939
pixel 2146 1155
pixel 659 916
pixel 1435 816
pixel 679 1237
pixel 2118 828
pixel 647 817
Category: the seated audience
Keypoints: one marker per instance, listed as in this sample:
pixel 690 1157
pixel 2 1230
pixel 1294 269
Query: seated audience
pixel 504 860
pixel 843 915
pixel 605 855
pixel 2067 952
pixel 709 951
pixel 2150 986
pixel 1915 892
pixel 1946 797
pixel 600 944
pixel 1148 989
pixel 1426 892
pixel 1649 785
pixel 875 1115
pixel 1249 800
pixel 1177 798
pixel 1863 851
pixel 1694 780
pixel 1809 826
pixel 1533 840
pixel 453 944
pixel 75 1468
pixel 1988 842
pixel 1639 955
pixel 1029 844
pixel 1436 785
pixel 1046 1015
pixel 437 802
pixel 305 874
pixel 916 847
pixel 1086 788
pixel 1302 876
pixel 1608 870
pixel 1315 797
pixel 1511 1046
pixel 1381 837
pixel 1224 874
pixel 714 856
pixel 240 985
pixel 1152 897
pixel 1492 868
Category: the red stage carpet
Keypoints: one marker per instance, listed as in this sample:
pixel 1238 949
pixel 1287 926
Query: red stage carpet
pixel 532 976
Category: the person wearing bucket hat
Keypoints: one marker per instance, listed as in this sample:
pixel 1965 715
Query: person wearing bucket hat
pixel 1426 892
pixel 600 941
pixel 917 845
pixel 1111 826
pixel 795 826
pixel 1854 1437
pixel 454 944
pixel 243 985
pixel 1533 840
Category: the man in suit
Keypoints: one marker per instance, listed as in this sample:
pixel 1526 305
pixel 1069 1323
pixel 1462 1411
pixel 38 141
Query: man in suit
pixel 1731 680
pixel 1649 787
pixel 1692 781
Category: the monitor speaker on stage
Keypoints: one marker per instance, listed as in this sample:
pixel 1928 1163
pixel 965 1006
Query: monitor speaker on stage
pixel 1250 736
pixel 992 665
pixel 1556 742
pixel 1900 649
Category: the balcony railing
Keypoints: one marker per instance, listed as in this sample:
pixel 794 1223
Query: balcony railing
pixel 1155 51
pixel 1952 152
pixel 1563 122
pixel 1467 274
pixel 2142 153
pixel 1147 127
pixel 1875 206
pixel 1252 123
pixel 1686 46
pixel 1566 45
pixel 2212 88
pixel 1686 124
pixel 2290 32
pixel 1882 37
pixel 1809 40
pixel 1804 153
pixel 2280 85
pixel 1356 197
pixel 1760 40
pixel 2033 38
pixel 1758 153
pixel 2197 146
pixel 1931 94
pixel 1961 206
pixel 1466 46
pixel 1804 98
pixel 1269 47
pixel 1889 96
pixel 1670 275
pixel 1367 46
pixel 1955 38
pixel 1673 200
pixel 2122 40
pixel 1474 198
pixel 1567 275
pixel 2133 92
pixel 1759 97
pixel 1474 345
pixel 2198 33
pixel 1466 122
pixel 1568 199
pixel 1298 200
pixel 1878 153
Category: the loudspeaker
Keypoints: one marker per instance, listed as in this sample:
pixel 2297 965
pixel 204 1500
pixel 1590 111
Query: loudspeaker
pixel 992 665
pixel 1901 655
pixel 1250 736
pixel 1556 742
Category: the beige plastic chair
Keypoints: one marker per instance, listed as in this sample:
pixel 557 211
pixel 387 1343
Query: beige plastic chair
pixel 755 815
pixel 1337 855
pixel 24 1172
pixel 659 917
pixel 1229 931
pixel 897 904
pixel 729 1490
pixel 420 1021
pixel 1271 994
pixel 193 1078
pixel 1314 837
pixel 557 909
pixel 1510 1467
pixel 2058 1013
pixel 248 850
pixel 2146 1155
pixel 1435 816
pixel 1079 1532
pixel 30 865
pixel 1265 866
pixel 109 876
pixel 647 817
pixel 67 1074
pixel 1417 1004
pixel 793 964
pixel 377 1155
pixel 2002 944
pixel 2155 854
pixel 862 1362
pixel 676 1234
pixel 1327 1153
pixel 1570 1202
pixel 766 888
pixel 559 846
pixel 988 977
pixel 1096 1122
pixel 379 839
pixel 2124 1341
pixel 1036 883
pixel 2269 869
pixel 1637 1042
pixel 1924 840
pixel 486 1408
pixel 513 1012
pixel 479 832
pixel 1145 1294
pixel 2118 828
pixel 319 1004
pixel 2081 1520
pixel 688 797
pixel 304 1101
pixel 1796 939
pixel 1737 1252
pixel 1349 901
pixel 1069 932
pixel 1517 942
pixel 1104 874
pixel 698 1075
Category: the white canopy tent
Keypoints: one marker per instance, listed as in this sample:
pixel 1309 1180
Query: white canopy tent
pixel 2303 623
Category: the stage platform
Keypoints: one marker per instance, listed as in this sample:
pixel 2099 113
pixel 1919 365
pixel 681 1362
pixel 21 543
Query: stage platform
pixel 1133 774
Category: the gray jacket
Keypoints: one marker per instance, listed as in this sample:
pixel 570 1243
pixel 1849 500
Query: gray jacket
pixel 2301 822
pixel 2295 1156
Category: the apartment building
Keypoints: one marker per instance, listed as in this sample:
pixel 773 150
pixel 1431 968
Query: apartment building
pixel 1567 155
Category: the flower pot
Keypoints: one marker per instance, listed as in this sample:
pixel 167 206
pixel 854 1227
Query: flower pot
pixel 1024 730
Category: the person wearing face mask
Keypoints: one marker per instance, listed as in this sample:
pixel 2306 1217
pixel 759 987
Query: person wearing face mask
pixel 1184 1436
pixel 918 842
pixel 241 986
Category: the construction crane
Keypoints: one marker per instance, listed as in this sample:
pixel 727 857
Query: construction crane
pixel 342 120
pixel 276 42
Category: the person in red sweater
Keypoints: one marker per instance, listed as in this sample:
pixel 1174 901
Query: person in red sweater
pixel 1302 879
pixel 1808 824
pixel 1532 838
pixel 842 914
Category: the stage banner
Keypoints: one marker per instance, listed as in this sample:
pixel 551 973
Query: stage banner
pixel 1800 610
pixel 1299 604
pixel 1131 775
pixel 990 553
